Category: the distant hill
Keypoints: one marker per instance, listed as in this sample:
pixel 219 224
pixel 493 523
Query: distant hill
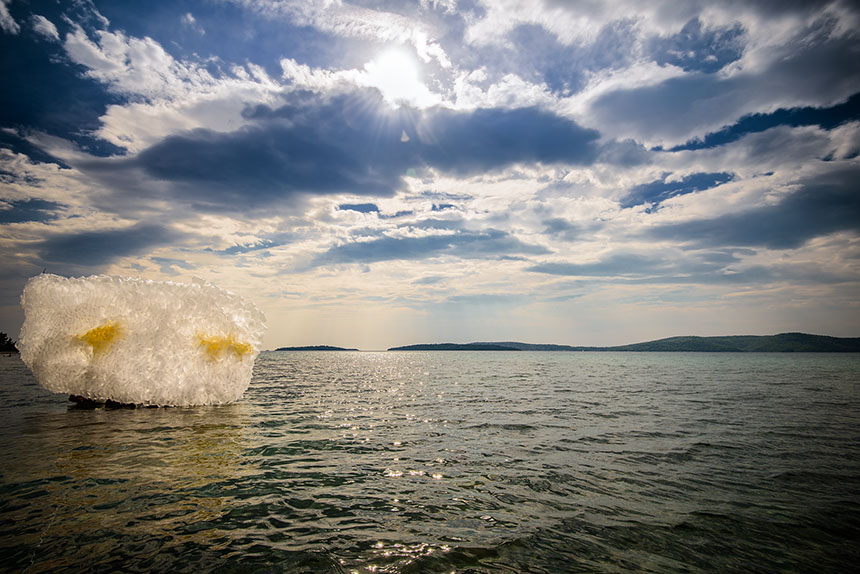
pixel 455 347
pixel 314 348
pixel 781 343
pixel 536 347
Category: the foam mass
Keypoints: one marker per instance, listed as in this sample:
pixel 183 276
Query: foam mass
pixel 139 342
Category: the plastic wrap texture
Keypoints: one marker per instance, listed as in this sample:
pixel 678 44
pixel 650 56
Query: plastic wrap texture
pixel 138 341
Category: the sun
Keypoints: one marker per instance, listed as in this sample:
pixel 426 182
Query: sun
pixel 396 74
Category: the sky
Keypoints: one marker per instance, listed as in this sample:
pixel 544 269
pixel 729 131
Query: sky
pixel 373 174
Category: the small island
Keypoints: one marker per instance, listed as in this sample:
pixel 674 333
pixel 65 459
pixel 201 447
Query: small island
pixel 314 348
pixel 455 347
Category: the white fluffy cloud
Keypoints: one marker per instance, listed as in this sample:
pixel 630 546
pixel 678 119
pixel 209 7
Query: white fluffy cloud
pixel 7 23
pixel 661 104
pixel 134 66
pixel 767 23
pixel 189 21
pixel 167 95
pixel 344 19
pixel 679 107
pixel 45 27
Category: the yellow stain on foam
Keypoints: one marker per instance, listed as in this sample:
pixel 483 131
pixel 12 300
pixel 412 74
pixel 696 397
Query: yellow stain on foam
pixel 100 338
pixel 217 346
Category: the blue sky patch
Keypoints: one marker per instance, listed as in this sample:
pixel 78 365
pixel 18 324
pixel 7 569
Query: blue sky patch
pixel 827 118
pixel 656 192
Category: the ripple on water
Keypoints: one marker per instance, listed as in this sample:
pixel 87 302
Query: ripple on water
pixel 440 462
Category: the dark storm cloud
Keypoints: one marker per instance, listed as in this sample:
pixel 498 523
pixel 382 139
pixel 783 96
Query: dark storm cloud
pixel 264 163
pixel 352 144
pixel 669 109
pixel 624 153
pixel 29 210
pixel 95 248
pixel 466 244
pixel 485 139
pixel 821 206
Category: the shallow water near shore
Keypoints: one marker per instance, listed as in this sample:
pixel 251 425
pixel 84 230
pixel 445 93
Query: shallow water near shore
pixel 448 462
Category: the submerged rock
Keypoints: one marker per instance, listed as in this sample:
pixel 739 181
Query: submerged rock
pixel 85 403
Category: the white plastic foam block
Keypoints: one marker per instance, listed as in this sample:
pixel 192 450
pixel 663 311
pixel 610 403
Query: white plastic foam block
pixel 139 342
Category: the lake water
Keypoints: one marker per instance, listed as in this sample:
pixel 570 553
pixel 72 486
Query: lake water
pixel 448 462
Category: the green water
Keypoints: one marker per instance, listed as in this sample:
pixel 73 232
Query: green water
pixel 448 462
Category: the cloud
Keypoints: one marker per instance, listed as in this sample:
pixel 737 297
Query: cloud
pixel 490 243
pixel 730 266
pixel 683 107
pixel 619 264
pixel 484 299
pixel 132 66
pixel 580 23
pixel 258 165
pixel 359 207
pixel 774 274
pixel 258 246
pixel 343 19
pixel 533 57
pixel 150 94
pixel 827 118
pixel 7 23
pixel 583 53
pixel 97 248
pixel 10 140
pixel 349 144
pixel 655 192
pixel 167 264
pixel 825 204
pixel 189 21
pixel 470 142
pixel 50 96
pixel 261 155
pixel 45 27
pixel 781 153
pixel 28 210
pixel 430 280
pixel 697 48
pixel 562 228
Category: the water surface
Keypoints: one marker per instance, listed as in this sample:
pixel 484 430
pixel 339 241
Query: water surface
pixel 441 462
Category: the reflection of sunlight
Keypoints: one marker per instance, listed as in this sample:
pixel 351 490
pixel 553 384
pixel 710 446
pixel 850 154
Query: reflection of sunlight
pixel 144 476
pixel 395 73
